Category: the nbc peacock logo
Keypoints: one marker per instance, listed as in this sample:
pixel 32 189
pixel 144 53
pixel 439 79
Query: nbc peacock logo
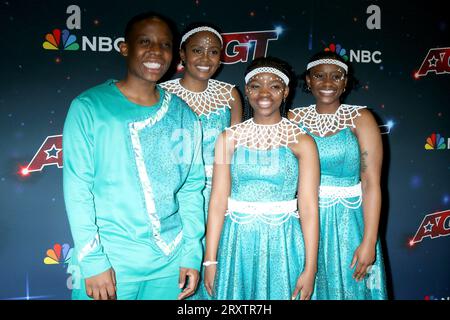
pixel 435 142
pixel 60 40
pixel 59 254
pixel 338 49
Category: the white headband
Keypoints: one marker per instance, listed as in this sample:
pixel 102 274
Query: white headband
pixel 327 61
pixel 199 29
pixel 264 70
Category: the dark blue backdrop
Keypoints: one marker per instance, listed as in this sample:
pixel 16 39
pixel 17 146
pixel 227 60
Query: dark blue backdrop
pixel 37 85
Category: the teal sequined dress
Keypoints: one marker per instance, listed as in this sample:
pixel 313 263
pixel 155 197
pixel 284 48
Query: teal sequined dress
pixel 340 207
pixel 213 109
pixel 261 250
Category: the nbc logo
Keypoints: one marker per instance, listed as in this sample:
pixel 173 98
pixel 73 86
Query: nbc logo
pixel 337 48
pixel 59 254
pixel 436 142
pixel 58 40
pixel 360 56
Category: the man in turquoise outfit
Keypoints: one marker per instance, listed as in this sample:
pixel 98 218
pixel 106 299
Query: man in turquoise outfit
pixel 133 176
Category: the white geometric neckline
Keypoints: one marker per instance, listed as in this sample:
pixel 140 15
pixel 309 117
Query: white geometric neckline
pixel 324 123
pixel 213 99
pixel 263 137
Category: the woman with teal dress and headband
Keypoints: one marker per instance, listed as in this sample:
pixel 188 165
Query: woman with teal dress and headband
pixel 350 261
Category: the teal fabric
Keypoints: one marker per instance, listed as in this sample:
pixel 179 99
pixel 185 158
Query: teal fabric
pixel 342 227
pixel 257 260
pixel 157 289
pixel 212 125
pixel 107 199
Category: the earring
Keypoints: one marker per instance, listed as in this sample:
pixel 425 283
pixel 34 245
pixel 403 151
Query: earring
pixel 309 88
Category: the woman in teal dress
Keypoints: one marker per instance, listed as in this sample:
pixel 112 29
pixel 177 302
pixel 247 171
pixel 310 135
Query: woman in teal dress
pixel 350 261
pixel 259 246
pixel 216 103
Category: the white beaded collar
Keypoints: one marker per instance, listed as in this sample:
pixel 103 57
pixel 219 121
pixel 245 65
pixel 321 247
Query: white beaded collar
pixel 323 123
pixel 213 99
pixel 264 137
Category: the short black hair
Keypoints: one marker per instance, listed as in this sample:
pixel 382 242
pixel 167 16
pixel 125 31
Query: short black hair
pixel 196 25
pixel 352 82
pixel 278 64
pixel 149 15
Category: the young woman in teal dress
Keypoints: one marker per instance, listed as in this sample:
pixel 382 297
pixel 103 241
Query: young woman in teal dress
pixel 261 241
pixel 216 103
pixel 350 262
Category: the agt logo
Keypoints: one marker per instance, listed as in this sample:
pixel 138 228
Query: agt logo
pixel 434 225
pixel 436 142
pixel 238 46
pixel 359 56
pixel 437 60
pixel 435 298
pixel 49 154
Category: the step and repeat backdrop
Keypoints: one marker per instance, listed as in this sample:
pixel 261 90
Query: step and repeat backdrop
pixel 54 50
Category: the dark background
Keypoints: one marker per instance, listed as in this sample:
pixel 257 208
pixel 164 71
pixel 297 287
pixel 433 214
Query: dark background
pixel 37 86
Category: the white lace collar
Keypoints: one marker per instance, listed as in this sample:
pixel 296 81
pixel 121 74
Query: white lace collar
pixel 214 98
pixel 323 123
pixel 264 137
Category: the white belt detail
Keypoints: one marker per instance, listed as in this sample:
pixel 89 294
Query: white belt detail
pixel 208 174
pixel 273 213
pixel 330 195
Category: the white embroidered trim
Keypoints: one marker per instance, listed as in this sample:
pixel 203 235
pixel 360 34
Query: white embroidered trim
pixel 327 61
pixel 273 213
pixel 213 99
pixel 263 137
pixel 254 72
pixel 88 248
pixel 330 195
pixel 134 128
pixel 199 29
pixel 323 123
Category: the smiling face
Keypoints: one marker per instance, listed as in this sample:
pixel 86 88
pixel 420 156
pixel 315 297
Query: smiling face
pixel 265 93
pixel 148 50
pixel 201 55
pixel 327 83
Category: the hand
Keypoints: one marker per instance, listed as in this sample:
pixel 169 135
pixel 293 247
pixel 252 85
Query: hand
pixel 102 286
pixel 193 276
pixel 364 256
pixel 210 274
pixel 305 285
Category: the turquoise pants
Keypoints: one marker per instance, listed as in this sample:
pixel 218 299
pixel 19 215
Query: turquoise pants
pixel 158 289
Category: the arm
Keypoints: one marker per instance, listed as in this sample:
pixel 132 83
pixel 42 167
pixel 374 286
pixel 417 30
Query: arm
pixel 78 181
pixel 190 200
pixel 308 204
pixel 218 204
pixel 369 139
pixel 236 107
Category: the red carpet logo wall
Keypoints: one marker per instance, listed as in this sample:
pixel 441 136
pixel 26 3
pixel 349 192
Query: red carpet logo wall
pixel 434 225
pixel 355 56
pixel 61 255
pixel 436 142
pixel 437 60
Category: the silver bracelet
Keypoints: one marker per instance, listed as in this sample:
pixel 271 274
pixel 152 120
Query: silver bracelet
pixel 208 263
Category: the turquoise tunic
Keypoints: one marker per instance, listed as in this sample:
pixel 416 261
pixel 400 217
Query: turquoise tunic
pixel 260 259
pixel 133 177
pixel 342 225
